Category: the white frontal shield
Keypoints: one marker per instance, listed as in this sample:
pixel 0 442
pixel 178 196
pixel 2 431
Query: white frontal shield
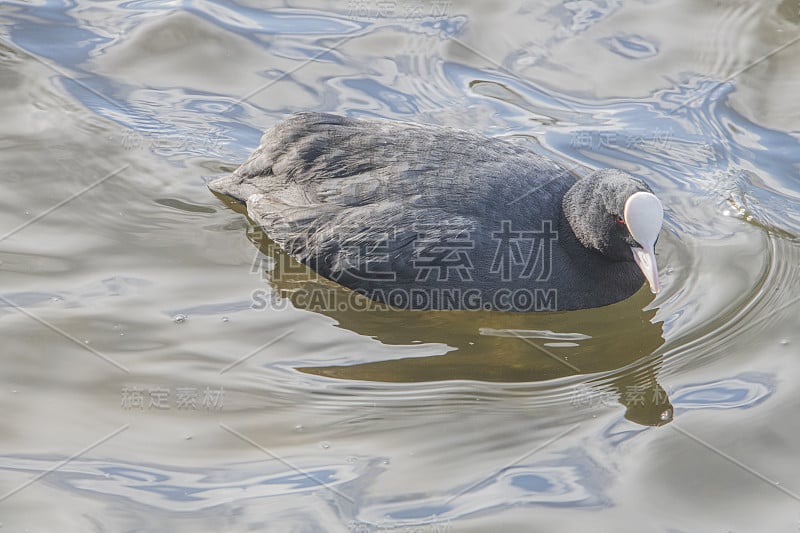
pixel 644 216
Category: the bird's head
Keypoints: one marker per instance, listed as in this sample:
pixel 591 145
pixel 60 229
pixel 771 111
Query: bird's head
pixel 618 216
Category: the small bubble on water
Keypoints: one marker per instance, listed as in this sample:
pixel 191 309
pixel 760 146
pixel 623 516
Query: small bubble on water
pixel 325 445
pixel 226 319
pixel 179 318
pixel 299 428
pixel 385 462
pixel 188 437
pixel 784 342
pixel 726 213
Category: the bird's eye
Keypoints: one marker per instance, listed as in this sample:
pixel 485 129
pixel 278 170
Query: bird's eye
pixel 620 219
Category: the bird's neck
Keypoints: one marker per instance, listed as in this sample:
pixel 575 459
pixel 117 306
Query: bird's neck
pixel 570 243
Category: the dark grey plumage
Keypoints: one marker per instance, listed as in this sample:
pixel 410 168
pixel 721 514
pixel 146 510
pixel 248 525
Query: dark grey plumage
pixel 384 206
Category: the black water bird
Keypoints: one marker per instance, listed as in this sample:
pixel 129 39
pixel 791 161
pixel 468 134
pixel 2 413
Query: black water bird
pixel 429 217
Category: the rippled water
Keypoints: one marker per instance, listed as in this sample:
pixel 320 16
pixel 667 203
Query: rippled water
pixel 144 390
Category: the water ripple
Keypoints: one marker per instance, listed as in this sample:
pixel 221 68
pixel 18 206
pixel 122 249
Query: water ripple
pixel 740 392
pixel 173 489
pixel 631 46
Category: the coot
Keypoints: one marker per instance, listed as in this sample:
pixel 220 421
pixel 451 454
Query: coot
pixel 429 217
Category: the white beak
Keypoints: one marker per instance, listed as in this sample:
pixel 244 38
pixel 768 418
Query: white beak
pixel 644 216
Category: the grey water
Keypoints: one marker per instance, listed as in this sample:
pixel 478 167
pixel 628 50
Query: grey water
pixel 161 373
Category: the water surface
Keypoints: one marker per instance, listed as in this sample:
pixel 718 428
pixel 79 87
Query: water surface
pixel 144 389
